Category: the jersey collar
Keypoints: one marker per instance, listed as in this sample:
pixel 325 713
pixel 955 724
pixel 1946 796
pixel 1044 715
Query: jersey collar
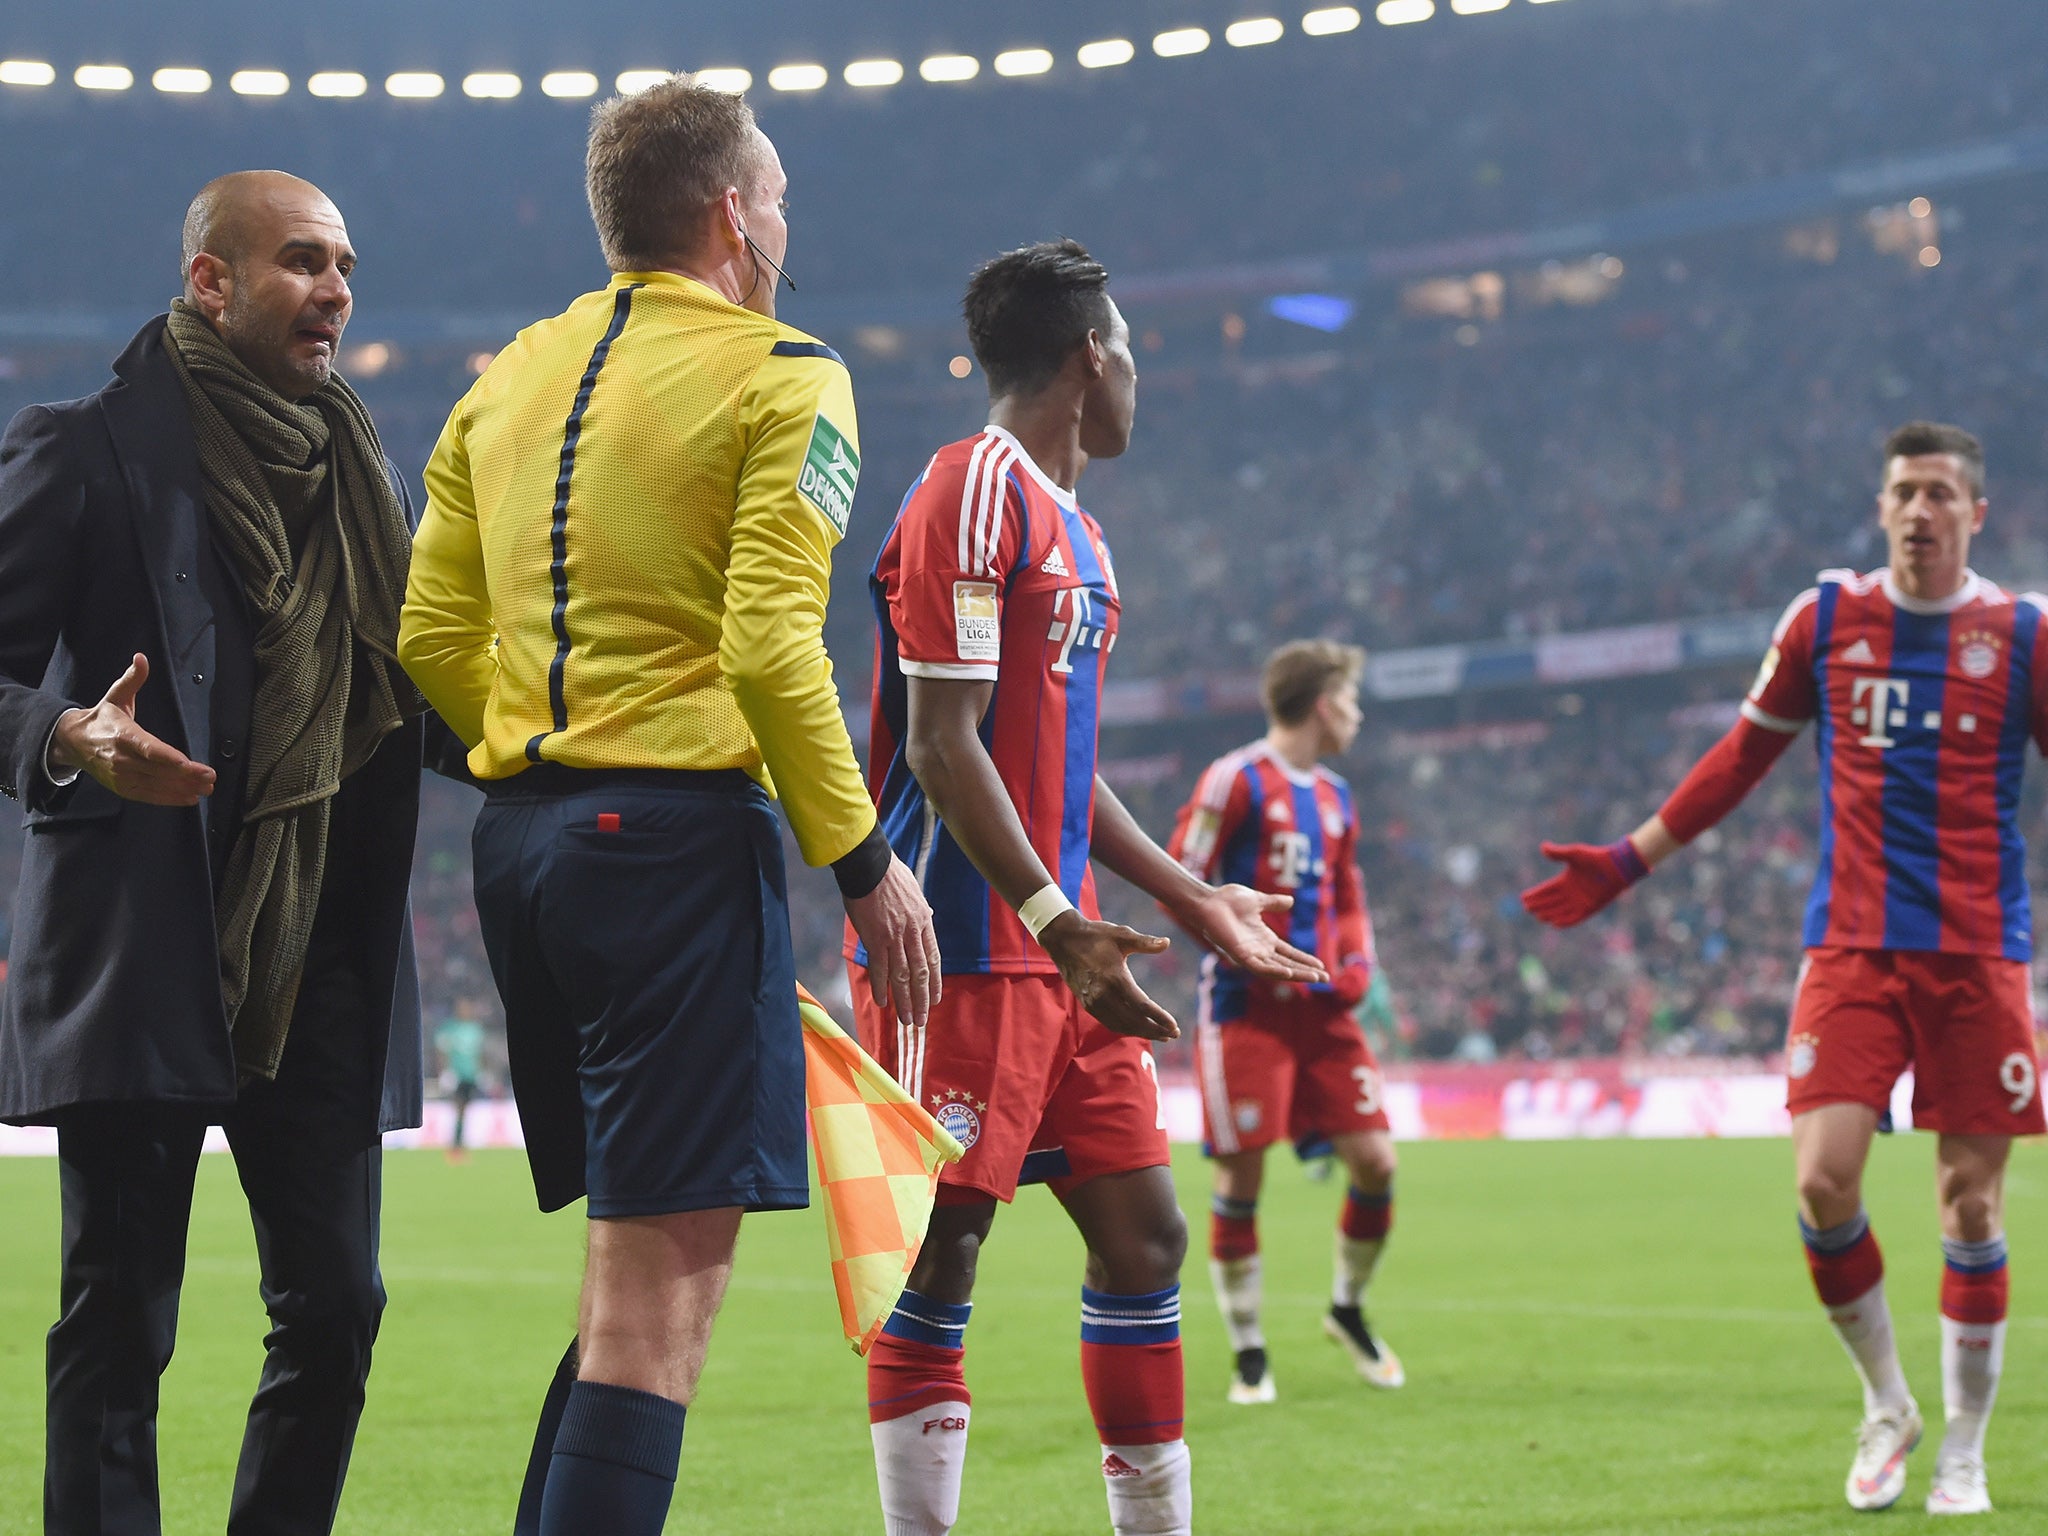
pixel 1301 778
pixel 1057 492
pixel 1962 596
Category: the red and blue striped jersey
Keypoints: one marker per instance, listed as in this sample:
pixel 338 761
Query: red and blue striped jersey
pixel 993 573
pixel 1924 711
pixel 1255 820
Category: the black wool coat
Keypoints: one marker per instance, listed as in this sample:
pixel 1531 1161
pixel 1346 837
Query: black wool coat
pixel 113 988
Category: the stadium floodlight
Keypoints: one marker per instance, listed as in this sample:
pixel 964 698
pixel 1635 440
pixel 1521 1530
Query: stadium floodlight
pixel 490 86
pixel 1331 20
pixel 1477 7
pixel 414 85
pixel 26 72
pixel 259 82
pixel 1399 13
pixel 568 84
pixel 1180 42
pixel 1106 54
pixel 946 68
pixel 103 77
pixel 633 81
pixel 733 82
pixel 868 73
pixel 1253 31
pixel 182 82
pixel 337 83
pixel 797 77
pixel 1023 61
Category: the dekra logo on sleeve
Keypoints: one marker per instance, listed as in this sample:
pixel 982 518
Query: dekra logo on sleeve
pixel 830 473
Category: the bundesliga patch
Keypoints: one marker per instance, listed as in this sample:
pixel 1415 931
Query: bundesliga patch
pixel 977 626
pixel 830 473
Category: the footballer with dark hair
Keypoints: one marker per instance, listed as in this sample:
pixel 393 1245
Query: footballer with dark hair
pixel 996 607
pixel 1925 683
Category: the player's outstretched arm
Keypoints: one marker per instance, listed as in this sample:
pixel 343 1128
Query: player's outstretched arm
pixel 954 769
pixel 1594 875
pixel 1230 919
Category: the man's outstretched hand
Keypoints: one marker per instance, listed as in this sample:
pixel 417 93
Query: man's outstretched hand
pixel 1094 962
pixel 105 742
pixel 1231 920
pixel 1592 877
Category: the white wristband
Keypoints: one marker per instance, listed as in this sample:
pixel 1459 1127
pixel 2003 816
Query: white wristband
pixel 1042 907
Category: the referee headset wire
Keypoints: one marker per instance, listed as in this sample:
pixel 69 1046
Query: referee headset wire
pixel 759 257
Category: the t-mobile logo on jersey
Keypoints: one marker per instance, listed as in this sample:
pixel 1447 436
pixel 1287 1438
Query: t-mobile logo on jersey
pixel 1292 860
pixel 1073 625
pixel 1878 704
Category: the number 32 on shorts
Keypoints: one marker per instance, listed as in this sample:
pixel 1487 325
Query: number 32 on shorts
pixel 1369 1093
pixel 2017 1076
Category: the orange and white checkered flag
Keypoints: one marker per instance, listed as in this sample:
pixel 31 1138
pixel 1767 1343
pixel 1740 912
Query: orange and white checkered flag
pixel 879 1156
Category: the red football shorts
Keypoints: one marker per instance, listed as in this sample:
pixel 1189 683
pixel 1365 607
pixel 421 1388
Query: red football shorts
pixel 1287 1068
pixel 1034 1088
pixel 1963 1023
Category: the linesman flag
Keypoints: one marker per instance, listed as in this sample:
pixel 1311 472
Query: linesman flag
pixel 879 1156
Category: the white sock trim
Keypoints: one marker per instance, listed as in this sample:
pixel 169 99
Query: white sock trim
pixel 1239 1285
pixel 1150 1488
pixel 919 1459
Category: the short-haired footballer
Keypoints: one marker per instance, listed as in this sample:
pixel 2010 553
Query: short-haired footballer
pixel 996 606
pixel 1925 683
pixel 1278 1060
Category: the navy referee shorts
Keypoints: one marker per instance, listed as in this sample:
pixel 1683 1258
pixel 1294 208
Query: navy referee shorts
pixel 637 923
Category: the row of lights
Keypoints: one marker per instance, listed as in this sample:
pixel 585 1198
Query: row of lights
pixel 943 68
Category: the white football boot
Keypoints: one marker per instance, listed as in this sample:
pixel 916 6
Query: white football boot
pixel 1378 1364
pixel 1251 1379
pixel 1878 1474
pixel 1959 1487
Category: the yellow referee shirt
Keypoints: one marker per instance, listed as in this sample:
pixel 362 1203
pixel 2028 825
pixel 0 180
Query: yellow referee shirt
pixel 627 547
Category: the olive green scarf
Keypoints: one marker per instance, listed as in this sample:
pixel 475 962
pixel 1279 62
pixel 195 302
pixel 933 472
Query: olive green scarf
pixel 302 505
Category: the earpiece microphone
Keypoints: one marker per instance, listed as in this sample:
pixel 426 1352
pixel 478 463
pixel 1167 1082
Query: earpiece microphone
pixel 761 255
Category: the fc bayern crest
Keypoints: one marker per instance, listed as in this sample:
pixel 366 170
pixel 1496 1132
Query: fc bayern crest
pixel 1977 653
pixel 1800 1057
pixel 957 1115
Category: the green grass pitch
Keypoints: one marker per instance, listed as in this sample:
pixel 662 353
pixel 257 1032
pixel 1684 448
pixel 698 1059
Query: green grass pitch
pixel 1600 1337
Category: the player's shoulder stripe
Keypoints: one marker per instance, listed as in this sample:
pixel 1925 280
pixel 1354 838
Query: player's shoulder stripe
pixel 2037 599
pixel 1793 609
pixel 1213 792
pixel 805 349
pixel 981 503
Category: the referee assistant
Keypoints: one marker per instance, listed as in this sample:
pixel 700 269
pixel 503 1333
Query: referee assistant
pixel 617 599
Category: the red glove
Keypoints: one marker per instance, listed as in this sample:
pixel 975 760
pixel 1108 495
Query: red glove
pixel 1591 878
pixel 1351 983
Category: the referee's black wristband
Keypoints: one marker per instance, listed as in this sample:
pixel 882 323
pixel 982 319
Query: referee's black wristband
pixel 860 871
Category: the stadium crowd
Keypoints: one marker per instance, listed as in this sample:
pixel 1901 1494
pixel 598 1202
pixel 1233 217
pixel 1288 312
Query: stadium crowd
pixel 1698 441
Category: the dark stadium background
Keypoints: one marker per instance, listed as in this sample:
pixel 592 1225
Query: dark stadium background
pixel 1630 291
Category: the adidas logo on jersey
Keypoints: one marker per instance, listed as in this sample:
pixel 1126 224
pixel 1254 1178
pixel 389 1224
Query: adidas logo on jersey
pixel 1860 654
pixel 1053 564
